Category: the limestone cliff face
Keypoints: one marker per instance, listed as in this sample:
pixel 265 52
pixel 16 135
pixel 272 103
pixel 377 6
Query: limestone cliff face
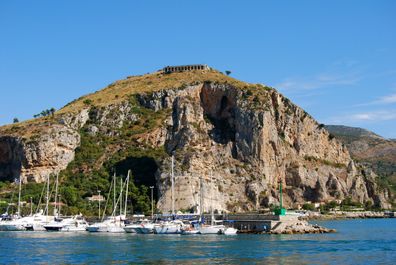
pixel 241 149
pixel 36 158
pixel 238 142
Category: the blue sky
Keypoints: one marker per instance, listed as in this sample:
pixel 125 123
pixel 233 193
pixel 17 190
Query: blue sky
pixel 336 59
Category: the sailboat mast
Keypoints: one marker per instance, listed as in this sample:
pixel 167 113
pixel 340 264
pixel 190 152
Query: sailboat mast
pixel 31 206
pixel 59 206
pixel 56 195
pixel 19 196
pixel 114 193
pixel 47 197
pixel 173 187
pixel 211 216
pixel 121 196
pixel 201 200
pixel 211 199
pixel 126 193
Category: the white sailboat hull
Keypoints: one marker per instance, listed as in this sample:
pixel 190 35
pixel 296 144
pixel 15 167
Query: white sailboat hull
pixel 229 231
pixel 105 229
pixel 115 229
pixel 211 229
pixel 190 232
pixel 111 225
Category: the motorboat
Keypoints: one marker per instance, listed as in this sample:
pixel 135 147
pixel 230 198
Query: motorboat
pixel 31 223
pixel 76 223
pixel 37 221
pixel 12 225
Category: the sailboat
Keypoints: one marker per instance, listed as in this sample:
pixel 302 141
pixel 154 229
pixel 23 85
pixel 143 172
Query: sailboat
pixel 169 227
pixel 229 231
pixel 34 222
pixel 14 223
pixel 216 226
pixel 37 221
pixel 113 223
pixel 173 226
pixel 190 229
pixel 75 223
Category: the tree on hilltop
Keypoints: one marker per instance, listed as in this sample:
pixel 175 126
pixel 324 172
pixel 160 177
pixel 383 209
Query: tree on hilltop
pixel 45 113
pixel 52 111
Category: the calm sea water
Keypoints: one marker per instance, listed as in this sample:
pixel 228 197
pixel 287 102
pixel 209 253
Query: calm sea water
pixel 371 241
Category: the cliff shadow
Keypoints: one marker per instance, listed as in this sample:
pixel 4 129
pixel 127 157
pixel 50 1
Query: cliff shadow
pixel 219 110
pixel 143 170
pixel 11 153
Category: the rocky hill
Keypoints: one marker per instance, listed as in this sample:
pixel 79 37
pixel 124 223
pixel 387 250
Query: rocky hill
pixel 240 138
pixel 369 149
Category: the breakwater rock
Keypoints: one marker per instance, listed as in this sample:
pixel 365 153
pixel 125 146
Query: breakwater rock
pixel 301 227
pixel 347 215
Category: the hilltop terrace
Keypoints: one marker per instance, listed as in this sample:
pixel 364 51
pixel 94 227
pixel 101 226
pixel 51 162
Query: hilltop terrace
pixel 183 68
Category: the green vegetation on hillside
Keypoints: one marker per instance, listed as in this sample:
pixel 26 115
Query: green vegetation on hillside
pixel 96 159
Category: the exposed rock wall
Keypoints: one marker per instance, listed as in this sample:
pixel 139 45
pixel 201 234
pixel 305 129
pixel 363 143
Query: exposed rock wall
pixel 236 143
pixel 36 158
pixel 242 152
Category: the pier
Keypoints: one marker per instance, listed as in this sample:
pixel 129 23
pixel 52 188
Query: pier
pixel 257 223
pixel 270 223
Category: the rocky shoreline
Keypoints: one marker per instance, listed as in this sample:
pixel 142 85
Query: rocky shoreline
pixel 301 227
pixel 348 215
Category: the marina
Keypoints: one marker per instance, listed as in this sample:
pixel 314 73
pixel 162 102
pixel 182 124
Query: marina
pixel 276 222
pixel 357 242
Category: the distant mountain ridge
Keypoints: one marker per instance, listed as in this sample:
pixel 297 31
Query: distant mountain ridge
pixel 369 148
pixel 351 131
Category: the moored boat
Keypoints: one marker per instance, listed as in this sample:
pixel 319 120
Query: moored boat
pixel 190 230
pixel 169 227
pixel 229 231
pixel 211 229
pixel 141 227
pixel 113 224
pixel 73 224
